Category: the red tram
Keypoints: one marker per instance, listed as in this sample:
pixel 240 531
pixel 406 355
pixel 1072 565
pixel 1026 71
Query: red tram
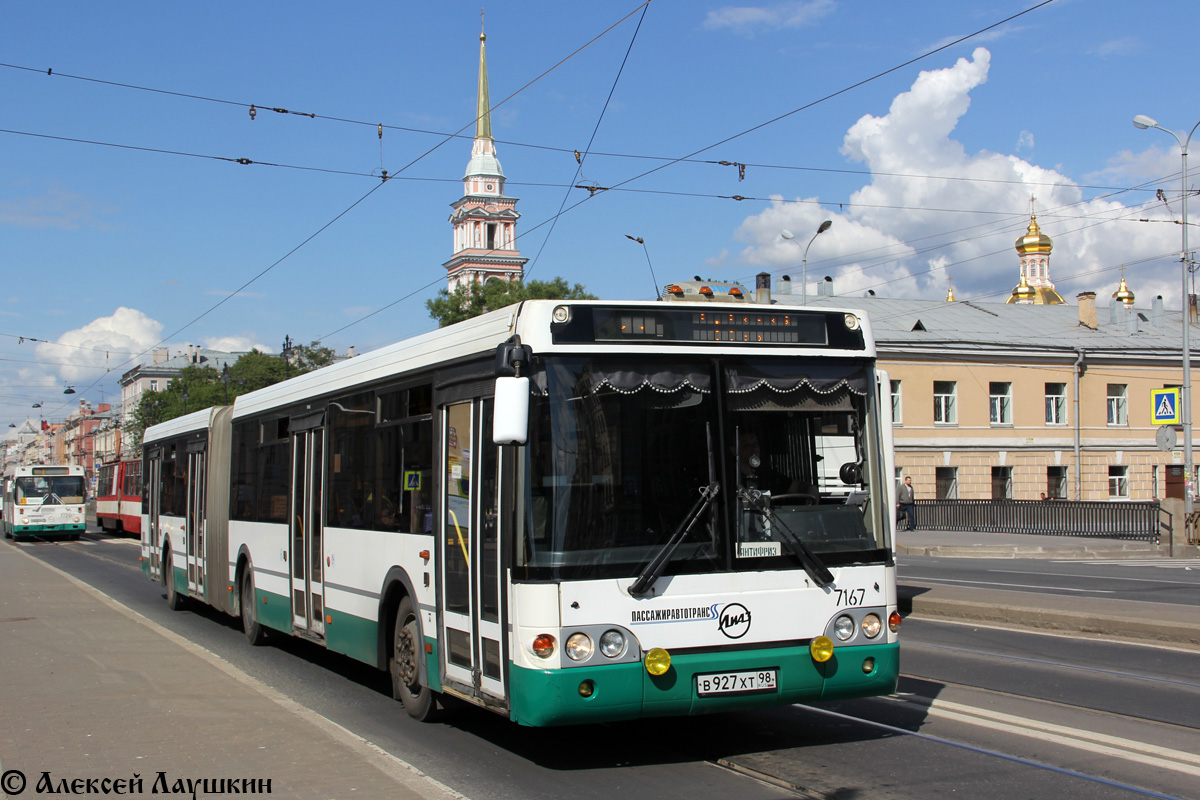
pixel 119 497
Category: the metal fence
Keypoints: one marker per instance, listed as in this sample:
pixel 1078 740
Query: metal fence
pixel 1141 521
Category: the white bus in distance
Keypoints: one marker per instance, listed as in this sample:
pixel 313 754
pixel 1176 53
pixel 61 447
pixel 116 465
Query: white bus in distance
pixel 561 511
pixel 43 501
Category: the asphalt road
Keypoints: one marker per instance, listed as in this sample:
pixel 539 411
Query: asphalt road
pixel 980 713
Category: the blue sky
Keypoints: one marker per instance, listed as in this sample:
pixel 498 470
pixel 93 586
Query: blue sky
pixel 126 223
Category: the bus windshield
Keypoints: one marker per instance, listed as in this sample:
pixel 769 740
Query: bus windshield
pixel 766 463
pixel 39 489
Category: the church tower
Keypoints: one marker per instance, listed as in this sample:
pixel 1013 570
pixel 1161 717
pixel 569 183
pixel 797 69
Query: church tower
pixel 1034 251
pixel 484 220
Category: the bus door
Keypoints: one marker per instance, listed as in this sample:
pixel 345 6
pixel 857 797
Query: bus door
pixel 469 560
pixel 308 549
pixel 195 522
pixel 150 536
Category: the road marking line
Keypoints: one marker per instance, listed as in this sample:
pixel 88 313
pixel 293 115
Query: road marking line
pixel 904 577
pixel 1099 743
pixel 1093 577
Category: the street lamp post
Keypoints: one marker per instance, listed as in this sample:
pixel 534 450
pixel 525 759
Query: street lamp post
pixel 1143 122
pixel 826 225
pixel 287 351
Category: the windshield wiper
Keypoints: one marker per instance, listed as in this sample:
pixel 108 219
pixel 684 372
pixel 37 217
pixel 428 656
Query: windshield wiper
pixel 656 566
pixel 796 546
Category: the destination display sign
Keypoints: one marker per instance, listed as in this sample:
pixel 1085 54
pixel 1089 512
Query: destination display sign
pixel 765 327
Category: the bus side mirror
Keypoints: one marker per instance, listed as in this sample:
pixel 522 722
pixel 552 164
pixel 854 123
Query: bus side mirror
pixel 850 474
pixel 510 422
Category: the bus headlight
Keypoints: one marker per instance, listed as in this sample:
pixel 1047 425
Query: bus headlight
pixel 871 625
pixel 612 644
pixel 852 322
pixel 561 314
pixel 579 647
pixel 843 627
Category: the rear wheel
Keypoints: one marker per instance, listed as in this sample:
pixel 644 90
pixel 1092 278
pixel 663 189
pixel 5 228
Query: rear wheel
pixel 174 598
pixel 256 634
pixel 419 701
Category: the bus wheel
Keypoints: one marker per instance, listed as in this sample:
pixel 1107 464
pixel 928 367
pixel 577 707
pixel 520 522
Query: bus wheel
pixel 255 634
pixel 419 701
pixel 174 598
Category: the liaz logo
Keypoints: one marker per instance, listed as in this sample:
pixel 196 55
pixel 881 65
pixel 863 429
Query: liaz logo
pixel 734 620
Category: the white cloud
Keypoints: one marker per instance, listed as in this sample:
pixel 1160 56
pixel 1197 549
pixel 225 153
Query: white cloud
pixel 933 210
pixel 746 20
pixel 1025 140
pixel 103 343
pixel 235 344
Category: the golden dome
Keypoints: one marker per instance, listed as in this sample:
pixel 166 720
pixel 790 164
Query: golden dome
pixel 1034 241
pixel 950 295
pixel 1123 293
pixel 1023 293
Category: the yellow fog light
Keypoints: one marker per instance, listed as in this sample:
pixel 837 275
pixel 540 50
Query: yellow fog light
pixel 821 649
pixel 868 666
pixel 586 689
pixel 658 661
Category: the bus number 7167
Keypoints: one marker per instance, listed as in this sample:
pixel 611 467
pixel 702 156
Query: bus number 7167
pixel 850 597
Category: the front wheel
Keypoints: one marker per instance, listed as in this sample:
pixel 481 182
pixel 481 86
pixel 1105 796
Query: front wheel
pixel 256 634
pixel 419 701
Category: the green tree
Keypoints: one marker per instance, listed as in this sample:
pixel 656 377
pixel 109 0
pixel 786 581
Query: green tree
pixel 467 302
pixel 206 387
pixel 308 357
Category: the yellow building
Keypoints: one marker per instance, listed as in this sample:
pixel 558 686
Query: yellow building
pixel 1029 397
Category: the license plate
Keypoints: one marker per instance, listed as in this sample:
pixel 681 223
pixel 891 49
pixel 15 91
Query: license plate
pixel 761 680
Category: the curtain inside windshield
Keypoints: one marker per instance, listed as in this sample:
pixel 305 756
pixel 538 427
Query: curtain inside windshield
pixel 622 451
pixel 616 460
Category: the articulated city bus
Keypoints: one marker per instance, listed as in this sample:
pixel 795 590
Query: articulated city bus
pixel 562 511
pixel 119 496
pixel 43 501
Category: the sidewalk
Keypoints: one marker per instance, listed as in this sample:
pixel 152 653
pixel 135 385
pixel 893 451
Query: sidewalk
pixel 974 544
pixel 1118 619
pixel 90 690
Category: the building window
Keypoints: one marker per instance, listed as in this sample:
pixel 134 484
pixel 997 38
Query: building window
pixel 944 410
pixel 1001 402
pixel 1056 483
pixel 947 483
pixel 1118 404
pixel 1118 482
pixel 1056 404
pixel 1002 483
pixel 897 418
pixel 154 386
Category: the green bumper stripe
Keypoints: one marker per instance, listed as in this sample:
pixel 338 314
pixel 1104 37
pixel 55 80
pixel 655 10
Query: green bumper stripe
pixel 627 691
pixel 352 635
pixel 273 610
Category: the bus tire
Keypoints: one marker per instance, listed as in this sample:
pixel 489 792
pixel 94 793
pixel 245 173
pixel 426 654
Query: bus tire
pixel 419 701
pixel 255 633
pixel 174 598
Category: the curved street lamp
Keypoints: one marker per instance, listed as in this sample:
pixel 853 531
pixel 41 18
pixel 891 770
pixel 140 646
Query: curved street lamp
pixel 786 234
pixel 1143 122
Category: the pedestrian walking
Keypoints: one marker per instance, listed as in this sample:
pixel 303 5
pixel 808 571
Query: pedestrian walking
pixel 904 503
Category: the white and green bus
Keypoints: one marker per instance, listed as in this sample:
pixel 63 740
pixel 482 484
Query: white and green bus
pixel 44 501
pixel 562 511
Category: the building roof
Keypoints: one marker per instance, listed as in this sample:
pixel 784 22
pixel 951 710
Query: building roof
pixel 917 324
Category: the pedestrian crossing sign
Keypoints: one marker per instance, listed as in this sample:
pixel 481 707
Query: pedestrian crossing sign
pixel 1166 406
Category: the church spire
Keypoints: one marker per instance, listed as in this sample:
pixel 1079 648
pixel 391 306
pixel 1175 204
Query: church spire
pixel 483 106
pixel 484 219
